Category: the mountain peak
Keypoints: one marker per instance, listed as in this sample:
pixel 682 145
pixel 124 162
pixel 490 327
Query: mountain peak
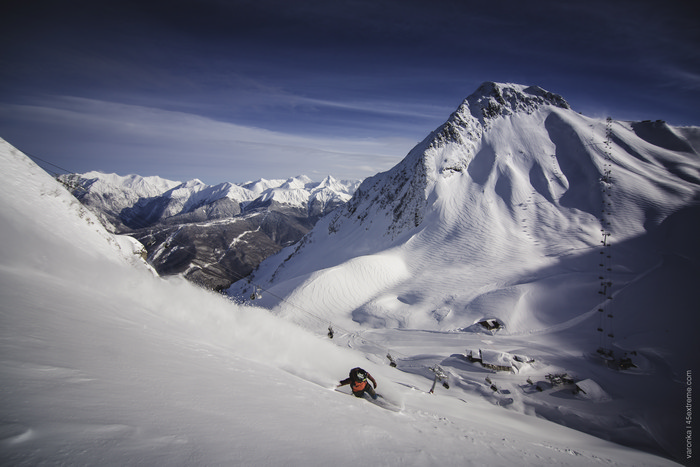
pixel 493 99
pixel 490 101
pixel 403 192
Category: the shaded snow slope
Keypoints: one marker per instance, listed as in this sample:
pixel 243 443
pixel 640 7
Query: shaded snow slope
pixel 102 362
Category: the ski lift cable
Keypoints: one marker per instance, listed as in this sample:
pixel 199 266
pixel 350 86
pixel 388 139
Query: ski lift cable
pixel 605 326
pixel 46 162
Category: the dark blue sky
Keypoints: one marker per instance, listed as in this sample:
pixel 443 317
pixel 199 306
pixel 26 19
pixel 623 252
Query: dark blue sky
pixel 238 90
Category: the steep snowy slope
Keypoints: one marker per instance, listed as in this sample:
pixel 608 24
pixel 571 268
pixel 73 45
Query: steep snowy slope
pixel 104 363
pixel 49 228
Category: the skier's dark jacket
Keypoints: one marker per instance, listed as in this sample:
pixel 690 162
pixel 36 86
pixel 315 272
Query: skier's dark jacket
pixel 355 384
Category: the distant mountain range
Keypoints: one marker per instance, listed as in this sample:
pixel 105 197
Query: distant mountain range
pixel 213 235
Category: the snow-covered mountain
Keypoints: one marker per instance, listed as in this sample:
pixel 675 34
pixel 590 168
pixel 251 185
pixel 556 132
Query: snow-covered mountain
pixel 214 235
pixel 570 234
pixel 513 177
pixel 105 363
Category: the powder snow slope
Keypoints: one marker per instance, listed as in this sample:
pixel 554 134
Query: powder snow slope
pixel 104 363
pixel 520 210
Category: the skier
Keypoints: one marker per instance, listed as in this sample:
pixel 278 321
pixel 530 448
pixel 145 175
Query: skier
pixel 358 383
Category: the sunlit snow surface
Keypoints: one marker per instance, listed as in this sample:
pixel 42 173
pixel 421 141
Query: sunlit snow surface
pixel 103 363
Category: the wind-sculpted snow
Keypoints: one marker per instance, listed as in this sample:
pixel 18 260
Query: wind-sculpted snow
pixel 343 288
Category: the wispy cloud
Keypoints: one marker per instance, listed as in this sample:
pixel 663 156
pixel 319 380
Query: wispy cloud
pixel 684 79
pixel 385 108
pixel 111 136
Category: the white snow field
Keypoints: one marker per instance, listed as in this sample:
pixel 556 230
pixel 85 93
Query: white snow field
pixel 573 233
pixel 103 363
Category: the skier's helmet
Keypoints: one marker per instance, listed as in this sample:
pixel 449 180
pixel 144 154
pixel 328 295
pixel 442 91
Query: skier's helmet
pixel 361 376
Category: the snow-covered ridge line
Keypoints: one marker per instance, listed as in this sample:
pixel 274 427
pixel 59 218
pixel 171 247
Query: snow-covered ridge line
pixel 156 199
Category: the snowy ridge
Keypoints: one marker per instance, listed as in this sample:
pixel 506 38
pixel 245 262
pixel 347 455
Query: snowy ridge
pixel 109 194
pixel 497 99
pixel 106 363
pixel 138 186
